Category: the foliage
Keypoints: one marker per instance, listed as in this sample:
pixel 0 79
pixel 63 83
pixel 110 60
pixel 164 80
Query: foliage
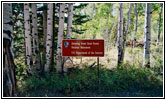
pixel 89 21
pixel 118 79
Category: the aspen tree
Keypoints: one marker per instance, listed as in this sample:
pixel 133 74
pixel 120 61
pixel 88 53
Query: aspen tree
pixel 44 33
pixel 135 26
pixel 69 26
pixel 159 23
pixel 120 34
pixel 28 46
pixel 147 36
pixel 60 37
pixel 36 53
pixel 106 31
pixel 49 37
pixel 126 31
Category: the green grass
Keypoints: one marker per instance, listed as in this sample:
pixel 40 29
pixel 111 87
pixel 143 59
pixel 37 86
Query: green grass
pixel 123 78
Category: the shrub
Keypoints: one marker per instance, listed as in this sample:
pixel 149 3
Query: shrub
pixel 118 79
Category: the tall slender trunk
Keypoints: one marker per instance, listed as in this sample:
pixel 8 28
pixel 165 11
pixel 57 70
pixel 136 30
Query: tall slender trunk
pixel 53 39
pixel 135 27
pixel 44 33
pixel 159 24
pixel 120 34
pixel 106 32
pixel 60 37
pixel 28 47
pixel 147 36
pixel 94 9
pixel 36 52
pixel 9 78
pixel 126 31
pixel 69 26
pixel 49 37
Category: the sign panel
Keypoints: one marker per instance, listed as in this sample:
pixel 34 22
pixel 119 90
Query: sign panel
pixel 68 63
pixel 83 48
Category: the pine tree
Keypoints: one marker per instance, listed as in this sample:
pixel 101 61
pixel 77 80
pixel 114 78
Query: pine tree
pixel 147 36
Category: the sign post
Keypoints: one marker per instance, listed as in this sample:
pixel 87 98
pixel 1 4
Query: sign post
pixel 98 67
pixel 83 48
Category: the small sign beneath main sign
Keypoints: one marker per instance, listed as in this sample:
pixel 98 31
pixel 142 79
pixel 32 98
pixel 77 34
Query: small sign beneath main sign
pixel 68 63
pixel 83 48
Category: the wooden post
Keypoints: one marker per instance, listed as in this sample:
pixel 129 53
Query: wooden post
pixel 98 66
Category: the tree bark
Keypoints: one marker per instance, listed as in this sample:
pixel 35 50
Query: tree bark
pixel 120 34
pixel 44 33
pixel 29 62
pixel 49 37
pixel 36 52
pixel 126 31
pixel 106 31
pixel 69 26
pixel 60 37
pixel 147 36
pixel 9 78
pixel 135 27
pixel 159 24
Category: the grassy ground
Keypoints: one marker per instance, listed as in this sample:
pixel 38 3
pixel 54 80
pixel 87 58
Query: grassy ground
pixel 94 93
pixel 133 56
pixel 127 80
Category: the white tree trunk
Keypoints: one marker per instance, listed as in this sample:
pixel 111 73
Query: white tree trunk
pixel 159 23
pixel 29 62
pixel 43 52
pixel 135 27
pixel 36 52
pixel 9 78
pixel 69 26
pixel 120 34
pixel 106 32
pixel 126 31
pixel 45 24
pixel 147 36
pixel 44 31
pixel 60 37
pixel 49 37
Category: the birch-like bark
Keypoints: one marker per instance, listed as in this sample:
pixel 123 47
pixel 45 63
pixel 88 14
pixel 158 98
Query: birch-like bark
pixel 60 37
pixel 159 24
pixel 44 32
pixel 126 31
pixel 9 78
pixel 28 46
pixel 49 37
pixel 69 26
pixel 120 34
pixel 147 36
pixel 106 32
pixel 94 9
pixel 36 52
pixel 135 27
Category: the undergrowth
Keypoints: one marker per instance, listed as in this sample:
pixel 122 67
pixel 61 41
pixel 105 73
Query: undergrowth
pixel 124 77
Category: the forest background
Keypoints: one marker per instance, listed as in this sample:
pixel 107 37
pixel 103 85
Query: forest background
pixel 131 62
